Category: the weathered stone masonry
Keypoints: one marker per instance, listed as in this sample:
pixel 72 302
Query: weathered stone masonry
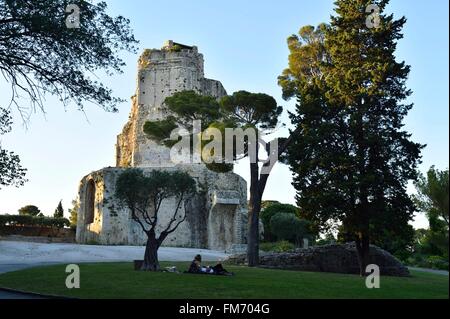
pixel 215 217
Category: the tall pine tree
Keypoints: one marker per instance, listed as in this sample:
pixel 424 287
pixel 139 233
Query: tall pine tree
pixel 353 160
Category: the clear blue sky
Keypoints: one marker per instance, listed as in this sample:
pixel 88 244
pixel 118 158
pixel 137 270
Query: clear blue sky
pixel 244 44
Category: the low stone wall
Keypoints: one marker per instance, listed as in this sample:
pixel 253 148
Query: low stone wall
pixel 63 234
pixel 330 258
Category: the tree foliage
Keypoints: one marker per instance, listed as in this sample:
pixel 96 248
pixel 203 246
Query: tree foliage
pixel 59 211
pixel 287 226
pixel 247 109
pixel 185 107
pixel 31 220
pixel 432 196
pixel 353 160
pixel 160 130
pixel 73 213
pixel 30 210
pixel 432 199
pixel 267 203
pixel 39 54
pixel 190 106
pixel 271 210
pixel 11 171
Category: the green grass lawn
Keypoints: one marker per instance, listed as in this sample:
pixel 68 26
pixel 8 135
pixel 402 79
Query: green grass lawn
pixel 119 280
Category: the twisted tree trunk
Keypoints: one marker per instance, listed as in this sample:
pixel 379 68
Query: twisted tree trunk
pixel 151 262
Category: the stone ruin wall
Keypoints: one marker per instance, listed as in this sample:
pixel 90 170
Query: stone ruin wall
pixel 215 216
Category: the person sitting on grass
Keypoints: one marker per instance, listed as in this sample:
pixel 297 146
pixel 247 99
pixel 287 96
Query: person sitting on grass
pixel 197 268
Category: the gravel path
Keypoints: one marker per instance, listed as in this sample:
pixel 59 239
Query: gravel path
pixel 12 252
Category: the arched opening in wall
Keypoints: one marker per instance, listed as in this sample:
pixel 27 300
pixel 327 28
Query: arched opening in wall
pixel 89 202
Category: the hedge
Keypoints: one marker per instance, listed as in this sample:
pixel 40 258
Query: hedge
pixel 27 220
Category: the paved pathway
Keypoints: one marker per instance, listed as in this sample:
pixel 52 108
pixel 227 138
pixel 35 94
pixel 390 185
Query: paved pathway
pixel 432 271
pixel 12 252
pixel 15 295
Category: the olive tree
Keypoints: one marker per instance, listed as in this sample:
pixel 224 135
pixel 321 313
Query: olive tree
pixel 143 195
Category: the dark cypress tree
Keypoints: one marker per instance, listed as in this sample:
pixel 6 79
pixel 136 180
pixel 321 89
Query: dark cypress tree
pixel 353 160
pixel 59 211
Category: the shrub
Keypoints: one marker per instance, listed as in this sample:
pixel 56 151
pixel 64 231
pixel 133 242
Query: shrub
pixel 270 211
pixel 93 242
pixel 175 48
pixel 278 247
pixel 14 220
pixel 30 210
pixel 437 262
pixel 289 227
pixel 27 220
pixel 425 261
pixel 402 254
pixel 324 242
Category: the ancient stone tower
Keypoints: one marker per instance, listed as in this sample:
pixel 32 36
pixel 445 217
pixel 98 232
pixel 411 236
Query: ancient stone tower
pixel 161 73
pixel 216 216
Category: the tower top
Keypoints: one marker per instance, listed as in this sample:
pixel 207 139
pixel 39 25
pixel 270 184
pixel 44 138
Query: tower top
pixel 170 45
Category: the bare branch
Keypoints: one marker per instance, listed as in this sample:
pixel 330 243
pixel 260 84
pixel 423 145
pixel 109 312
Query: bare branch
pixel 173 219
